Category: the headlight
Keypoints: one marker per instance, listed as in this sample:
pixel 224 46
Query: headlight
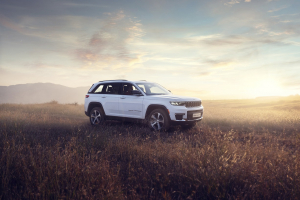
pixel 177 103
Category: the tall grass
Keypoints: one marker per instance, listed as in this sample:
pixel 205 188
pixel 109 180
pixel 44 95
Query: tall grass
pixel 240 150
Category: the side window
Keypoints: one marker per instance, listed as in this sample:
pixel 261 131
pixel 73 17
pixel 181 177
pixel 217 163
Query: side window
pixel 145 88
pixel 156 89
pixel 127 89
pixel 142 87
pixel 99 89
pixel 112 88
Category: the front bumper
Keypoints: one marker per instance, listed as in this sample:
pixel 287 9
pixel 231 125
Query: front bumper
pixel 182 114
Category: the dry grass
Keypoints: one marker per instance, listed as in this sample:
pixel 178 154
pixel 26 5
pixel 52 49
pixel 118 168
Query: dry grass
pixel 243 149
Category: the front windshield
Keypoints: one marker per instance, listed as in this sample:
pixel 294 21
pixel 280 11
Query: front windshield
pixel 152 89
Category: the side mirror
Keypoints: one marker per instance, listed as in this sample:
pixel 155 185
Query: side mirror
pixel 136 93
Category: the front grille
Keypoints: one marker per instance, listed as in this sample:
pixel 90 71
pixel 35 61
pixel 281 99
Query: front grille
pixel 190 114
pixel 192 104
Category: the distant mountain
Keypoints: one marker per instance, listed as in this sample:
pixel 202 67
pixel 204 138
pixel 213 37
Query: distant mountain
pixel 269 98
pixel 291 97
pixel 41 93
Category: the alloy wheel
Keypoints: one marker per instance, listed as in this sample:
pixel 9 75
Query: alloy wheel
pixel 96 117
pixel 157 121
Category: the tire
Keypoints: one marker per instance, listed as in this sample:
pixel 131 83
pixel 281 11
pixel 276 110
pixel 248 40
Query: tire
pixel 158 120
pixel 97 116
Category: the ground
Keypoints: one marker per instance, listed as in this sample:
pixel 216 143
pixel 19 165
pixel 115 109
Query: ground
pixel 241 149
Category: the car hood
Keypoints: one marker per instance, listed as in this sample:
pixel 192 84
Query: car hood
pixel 173 98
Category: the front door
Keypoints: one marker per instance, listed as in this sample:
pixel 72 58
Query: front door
pixel 130 105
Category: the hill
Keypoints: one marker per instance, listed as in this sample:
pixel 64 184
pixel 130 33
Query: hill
pixel 41 93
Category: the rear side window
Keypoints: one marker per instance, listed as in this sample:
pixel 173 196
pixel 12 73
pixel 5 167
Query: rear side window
pixel 98 89
pixel 112 88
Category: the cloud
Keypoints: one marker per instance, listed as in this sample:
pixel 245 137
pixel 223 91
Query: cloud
pixel 276 27
pixel 277 9
pixel 245 18
pixel 59 30
pixel 2 71
pixel 292 81
pixel 285 21
pixel 218 41
pixel 295 62
pixel 6 22
pixel 219 63
pixel 203 74
pixel 112 43
pixel 238 40
pixel 231 2
pixel 86 55
pixel 85 4
pixel 248 1
pixel 226 40
pixel 41 65
pixel 291 64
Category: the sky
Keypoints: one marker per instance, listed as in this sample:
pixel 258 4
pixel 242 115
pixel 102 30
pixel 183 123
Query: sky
pixel 212 49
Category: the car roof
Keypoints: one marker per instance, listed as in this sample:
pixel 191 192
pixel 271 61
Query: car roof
pixel 121 80
pixel 113 80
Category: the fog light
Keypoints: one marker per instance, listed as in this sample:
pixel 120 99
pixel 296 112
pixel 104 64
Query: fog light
pixel 179 116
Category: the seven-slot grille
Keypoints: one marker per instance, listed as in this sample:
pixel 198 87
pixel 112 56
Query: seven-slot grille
pixel 192 103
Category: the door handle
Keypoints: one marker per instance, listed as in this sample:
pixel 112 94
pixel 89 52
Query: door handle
pixel 122 97
pixel 103 97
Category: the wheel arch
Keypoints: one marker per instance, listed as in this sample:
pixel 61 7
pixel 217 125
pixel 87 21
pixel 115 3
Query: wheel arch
pixel 93 105
pixel 152 107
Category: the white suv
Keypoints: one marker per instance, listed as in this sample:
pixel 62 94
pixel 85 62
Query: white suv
pixel 121 99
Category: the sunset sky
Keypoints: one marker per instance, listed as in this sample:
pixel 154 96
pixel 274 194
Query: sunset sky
pixel 212 49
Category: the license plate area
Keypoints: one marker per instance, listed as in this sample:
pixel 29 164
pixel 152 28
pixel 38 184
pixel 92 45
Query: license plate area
pixel 196 115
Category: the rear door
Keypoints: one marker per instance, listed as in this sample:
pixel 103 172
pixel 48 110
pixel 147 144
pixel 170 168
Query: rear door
pixel 112 96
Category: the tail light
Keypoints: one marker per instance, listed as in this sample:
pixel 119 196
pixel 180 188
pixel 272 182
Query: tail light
pixel 87 96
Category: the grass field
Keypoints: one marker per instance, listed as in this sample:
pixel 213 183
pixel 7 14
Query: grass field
pixel 243 149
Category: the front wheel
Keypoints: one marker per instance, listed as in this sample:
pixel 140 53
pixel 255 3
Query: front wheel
pixel 159 120
pixel 96 116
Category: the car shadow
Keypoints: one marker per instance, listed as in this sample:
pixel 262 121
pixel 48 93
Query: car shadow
pixel 141 129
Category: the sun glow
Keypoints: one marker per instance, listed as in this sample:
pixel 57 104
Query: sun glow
pixel 267 87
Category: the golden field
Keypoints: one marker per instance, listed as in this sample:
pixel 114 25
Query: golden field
pixel 243 149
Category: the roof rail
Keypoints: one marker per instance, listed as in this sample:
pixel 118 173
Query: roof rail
pixel 142 80
pixel 115 80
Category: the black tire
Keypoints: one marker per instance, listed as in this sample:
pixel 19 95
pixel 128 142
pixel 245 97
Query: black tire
pixel 158 120
pixel 97 116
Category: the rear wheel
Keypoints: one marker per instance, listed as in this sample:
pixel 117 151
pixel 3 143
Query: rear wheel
pixel 158 120
pixel 96 116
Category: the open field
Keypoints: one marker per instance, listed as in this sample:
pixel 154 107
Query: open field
pixel 242 149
